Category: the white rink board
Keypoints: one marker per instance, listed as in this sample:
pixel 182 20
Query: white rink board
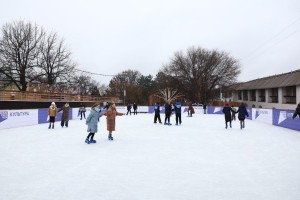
pixel 262 115
pixel 17 118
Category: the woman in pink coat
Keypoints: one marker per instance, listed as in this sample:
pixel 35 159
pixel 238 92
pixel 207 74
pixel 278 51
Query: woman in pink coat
pixel 111 114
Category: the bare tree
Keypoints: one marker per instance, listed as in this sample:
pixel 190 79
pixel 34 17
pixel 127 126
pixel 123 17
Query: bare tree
pixel 168 94
pixel 19 52
pixel 200 71
pixel 55 60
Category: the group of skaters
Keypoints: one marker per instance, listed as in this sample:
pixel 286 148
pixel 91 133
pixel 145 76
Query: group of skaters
pixel 110 112
pixel 134 106
pixel 168 112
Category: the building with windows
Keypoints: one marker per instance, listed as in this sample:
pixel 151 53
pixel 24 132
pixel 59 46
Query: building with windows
pixel 278 91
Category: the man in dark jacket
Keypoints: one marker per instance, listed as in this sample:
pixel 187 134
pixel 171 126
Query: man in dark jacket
pixel 134 109
pixel 128 109
pixel 177 109
pixel 168 112
pixel 227 110
pixel 297 112
pixel 157 113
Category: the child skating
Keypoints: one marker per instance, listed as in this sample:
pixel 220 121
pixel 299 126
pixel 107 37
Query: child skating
pixel 227 112
pixel 92 123
pixel 111 114
pixel 52 112
pixel 242 115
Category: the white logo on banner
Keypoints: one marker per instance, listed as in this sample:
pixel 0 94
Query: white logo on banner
pixel 217 109
pixel 282 116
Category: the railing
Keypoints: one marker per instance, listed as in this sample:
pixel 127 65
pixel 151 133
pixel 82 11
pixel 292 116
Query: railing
pixel 49 97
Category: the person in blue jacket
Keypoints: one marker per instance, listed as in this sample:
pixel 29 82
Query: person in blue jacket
pixel 157 113
pixel 242 114
pixel 227 110
pixel 168 112
pixel 177 109
pixel 92 123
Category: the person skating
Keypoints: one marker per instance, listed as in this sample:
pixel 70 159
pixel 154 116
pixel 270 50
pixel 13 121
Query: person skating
pixel 177 109
pixel 157 113
pixel 242 114
pixel 92 123
pixel 128 109
pixel 191 110
pixel 168 112
pixel 52 112
pixel 204 108
pixel 227 110
pixel 134 109
pixel 297 112
pixel 111 114
pixel 82 111
pixel 65 115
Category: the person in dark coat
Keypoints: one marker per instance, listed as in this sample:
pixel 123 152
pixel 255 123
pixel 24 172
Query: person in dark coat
pixel 168 112
pixel 128 109
pixel 82 111
pixel 204 108
pixel 177 109
pixel 242 114
pixel 227 110
pixel 297 112
pixel 157 113
pixel 92 123
pixel 65 115
pixel 134 109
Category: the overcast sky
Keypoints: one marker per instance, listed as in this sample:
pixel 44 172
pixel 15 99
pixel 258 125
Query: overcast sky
pixel 109 37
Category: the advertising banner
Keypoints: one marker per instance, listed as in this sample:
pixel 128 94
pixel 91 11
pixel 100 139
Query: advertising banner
pixel 284 119
pixel 17 118
pixel 263 115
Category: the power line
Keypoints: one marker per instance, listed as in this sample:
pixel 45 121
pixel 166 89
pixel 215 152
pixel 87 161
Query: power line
pixel 93 73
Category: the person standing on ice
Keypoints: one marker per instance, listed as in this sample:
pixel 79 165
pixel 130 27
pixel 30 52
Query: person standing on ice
pixel 134 109
pixel 242 114
pixel 111 114
pixel 177 109
pixel 157 113
pixel 65 115
pixel 227 110
pixel 52 112
pixel 92 123
pixel 297 112
pixel 128 109
pixel 82 111
pixel 168 112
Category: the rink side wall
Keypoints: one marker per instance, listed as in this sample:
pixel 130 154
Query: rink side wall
pixel 19 118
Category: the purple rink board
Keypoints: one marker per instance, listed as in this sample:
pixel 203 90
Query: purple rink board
pixel 283 118
pixel 43 115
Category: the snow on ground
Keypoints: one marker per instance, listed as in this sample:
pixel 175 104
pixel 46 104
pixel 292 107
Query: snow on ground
pixel 198 160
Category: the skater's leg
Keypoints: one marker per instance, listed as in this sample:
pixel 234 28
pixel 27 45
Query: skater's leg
pixel 67 123
pixel 159 118
pixel 62 123
pixel 180 119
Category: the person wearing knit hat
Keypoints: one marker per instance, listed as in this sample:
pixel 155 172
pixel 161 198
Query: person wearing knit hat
pixel 52 112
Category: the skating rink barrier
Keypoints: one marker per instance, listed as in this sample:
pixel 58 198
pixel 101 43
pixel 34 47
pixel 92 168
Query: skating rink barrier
pixel 19 118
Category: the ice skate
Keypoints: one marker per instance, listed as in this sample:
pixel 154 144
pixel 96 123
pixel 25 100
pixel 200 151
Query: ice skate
pixel 87 141
pixel 93 141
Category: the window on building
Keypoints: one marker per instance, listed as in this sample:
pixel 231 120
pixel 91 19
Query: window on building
pixel 274 95
pixel 245 95
pixel 240 95
pixel 252 95
pixel 289 94
pixel 262 95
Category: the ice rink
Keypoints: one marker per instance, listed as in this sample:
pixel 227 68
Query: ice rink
pixel 198 160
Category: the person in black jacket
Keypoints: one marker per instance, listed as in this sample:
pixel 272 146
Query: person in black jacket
pixel 168 112
pixel 134 109
pixel 128 109
pixel 157 113
pixel 227 110
pixel 204 108
pixel 242 114
pixel 297 112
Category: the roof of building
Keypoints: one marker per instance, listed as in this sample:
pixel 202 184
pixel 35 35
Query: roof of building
pixel 282 80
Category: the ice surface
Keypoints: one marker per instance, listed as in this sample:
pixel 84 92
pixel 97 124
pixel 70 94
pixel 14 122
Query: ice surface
pixel 198 160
